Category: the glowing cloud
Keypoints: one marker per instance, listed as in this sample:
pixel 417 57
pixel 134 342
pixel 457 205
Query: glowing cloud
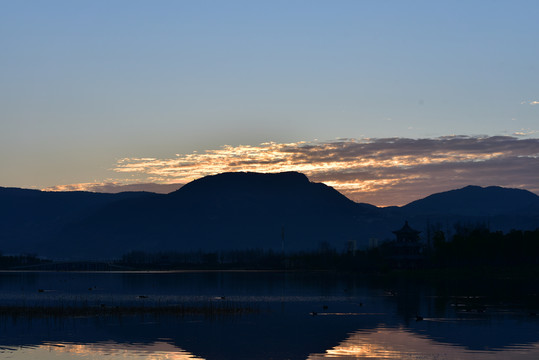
pixel 525 132
pixel 390 171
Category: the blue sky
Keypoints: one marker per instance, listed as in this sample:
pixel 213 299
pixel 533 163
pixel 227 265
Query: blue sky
pixel 85 84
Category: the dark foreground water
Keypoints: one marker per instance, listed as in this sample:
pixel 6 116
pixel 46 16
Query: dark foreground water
pixel 280 316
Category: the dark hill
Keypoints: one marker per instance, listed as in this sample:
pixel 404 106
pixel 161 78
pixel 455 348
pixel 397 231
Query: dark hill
pixel 223 212
pixel 30 217
pixel 475 201
pixel 495 207
pixel 236 211
pixel 284 193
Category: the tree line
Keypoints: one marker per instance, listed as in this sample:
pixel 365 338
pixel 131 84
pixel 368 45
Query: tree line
pixel 467 246
pixel 478 246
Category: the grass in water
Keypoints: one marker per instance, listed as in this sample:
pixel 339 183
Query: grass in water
pixel 210 309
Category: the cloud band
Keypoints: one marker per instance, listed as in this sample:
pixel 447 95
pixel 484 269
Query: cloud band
pixel 388 171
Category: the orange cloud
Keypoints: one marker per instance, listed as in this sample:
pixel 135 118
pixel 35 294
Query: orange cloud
pixel 389 171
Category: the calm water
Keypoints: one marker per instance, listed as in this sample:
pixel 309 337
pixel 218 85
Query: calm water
pixel 291 316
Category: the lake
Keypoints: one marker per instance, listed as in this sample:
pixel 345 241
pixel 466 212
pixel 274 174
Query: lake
pixel 262 315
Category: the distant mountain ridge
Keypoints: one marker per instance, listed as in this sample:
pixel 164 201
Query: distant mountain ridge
pixel 495 207
pixel 233 211
pixel 30 217
pixel 473 200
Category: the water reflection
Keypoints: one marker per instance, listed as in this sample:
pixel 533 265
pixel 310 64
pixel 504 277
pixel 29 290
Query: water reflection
pixel 380 343
pixel 400 343
pixel 111 351
pixel 301 316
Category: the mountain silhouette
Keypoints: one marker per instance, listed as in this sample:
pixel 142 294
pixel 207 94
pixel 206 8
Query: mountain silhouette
pixel 476 201
pixel 495 207
pixel 222 212
pixel 281 194
pixel 32 217
pixel 236 211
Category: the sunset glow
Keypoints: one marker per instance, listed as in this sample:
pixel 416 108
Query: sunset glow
pixel 197 179
pixel 400 343
pixel 155 351
pixel 391 171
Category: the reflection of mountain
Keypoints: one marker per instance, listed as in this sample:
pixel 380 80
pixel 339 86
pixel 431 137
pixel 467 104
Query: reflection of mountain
pixel 400 343
pixel 275 337
pixel 235 211
pixel 105 350
pixel 283 329
pixel 241 338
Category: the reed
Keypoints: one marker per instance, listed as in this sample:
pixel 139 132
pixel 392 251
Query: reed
pixel 209 309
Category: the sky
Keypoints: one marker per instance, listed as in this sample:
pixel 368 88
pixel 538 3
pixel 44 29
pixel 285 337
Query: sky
pixel 387 101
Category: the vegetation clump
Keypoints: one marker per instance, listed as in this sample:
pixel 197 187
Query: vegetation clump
pixel 209 309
